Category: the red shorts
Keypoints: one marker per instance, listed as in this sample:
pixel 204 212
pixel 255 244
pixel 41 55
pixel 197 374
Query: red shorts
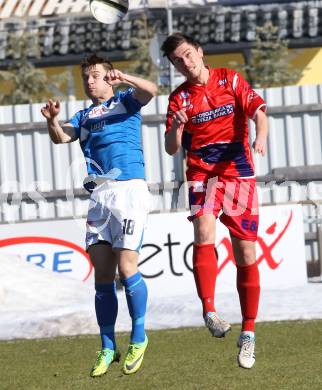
pixel 234 196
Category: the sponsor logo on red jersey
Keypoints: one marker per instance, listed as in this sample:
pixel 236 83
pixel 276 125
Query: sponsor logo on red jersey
pixel 206 116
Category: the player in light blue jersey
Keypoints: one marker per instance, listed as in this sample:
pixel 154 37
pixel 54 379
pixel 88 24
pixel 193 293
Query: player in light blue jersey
pixel 109 133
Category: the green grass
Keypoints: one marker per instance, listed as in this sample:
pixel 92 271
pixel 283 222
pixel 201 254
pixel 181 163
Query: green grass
pixel 289 356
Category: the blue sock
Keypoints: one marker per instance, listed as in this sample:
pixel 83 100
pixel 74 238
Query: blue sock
pixel 106 307
pixel 136 296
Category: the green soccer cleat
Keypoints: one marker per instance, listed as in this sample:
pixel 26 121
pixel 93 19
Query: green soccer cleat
pixel 104 359
pixel 134 357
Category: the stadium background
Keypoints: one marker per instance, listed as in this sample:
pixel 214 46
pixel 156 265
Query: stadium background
pixel 225 28
pixel 32 170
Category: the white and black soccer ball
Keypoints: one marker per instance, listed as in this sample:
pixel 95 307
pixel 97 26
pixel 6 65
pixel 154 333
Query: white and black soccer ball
pixel 109 11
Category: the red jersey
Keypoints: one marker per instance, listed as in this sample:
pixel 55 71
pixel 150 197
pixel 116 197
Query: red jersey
pixel 216 134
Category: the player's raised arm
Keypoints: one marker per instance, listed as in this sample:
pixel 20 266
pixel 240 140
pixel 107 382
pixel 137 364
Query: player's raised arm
pixel 145 90
pixel 259 145
pixel 174 135
pixel 59 134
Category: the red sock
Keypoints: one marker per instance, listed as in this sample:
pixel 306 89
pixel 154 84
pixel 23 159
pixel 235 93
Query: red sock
pixel 248 289
pixel 205 270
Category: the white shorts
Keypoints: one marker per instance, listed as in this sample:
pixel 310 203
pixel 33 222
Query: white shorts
pixel 118 213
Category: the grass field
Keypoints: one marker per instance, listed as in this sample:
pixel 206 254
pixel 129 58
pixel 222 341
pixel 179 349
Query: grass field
pixel 289 356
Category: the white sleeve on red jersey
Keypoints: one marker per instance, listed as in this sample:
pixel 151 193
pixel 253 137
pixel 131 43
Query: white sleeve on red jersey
pixel 248 99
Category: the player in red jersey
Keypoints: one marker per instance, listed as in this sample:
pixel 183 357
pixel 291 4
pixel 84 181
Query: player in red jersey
pixel 208 115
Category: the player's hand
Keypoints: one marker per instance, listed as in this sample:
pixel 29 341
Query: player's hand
pixel 259 145
pixel 114 77
pixel 178 120
pixel 51 109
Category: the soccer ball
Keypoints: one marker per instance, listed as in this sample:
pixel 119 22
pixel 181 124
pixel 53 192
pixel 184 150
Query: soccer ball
pixel 109 11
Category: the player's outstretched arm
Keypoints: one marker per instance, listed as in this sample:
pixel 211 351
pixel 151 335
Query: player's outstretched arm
pixel 145 90
pixel 260 143
pixel 173 137
pixel 58 134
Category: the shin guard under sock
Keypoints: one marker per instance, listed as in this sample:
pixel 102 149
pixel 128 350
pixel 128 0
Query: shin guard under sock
pixel 248 287
pixel 205 271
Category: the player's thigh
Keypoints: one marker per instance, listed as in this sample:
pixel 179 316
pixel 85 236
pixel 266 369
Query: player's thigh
pixel 205 197
pixel 129 218
pixel 98 218
pixel 127 260
pixel 240 208
pixel 104 262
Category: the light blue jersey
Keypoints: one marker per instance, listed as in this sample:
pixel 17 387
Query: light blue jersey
pixel 110 137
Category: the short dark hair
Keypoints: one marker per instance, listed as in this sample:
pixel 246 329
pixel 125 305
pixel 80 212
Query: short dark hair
pixel 175 40
pixel 95 59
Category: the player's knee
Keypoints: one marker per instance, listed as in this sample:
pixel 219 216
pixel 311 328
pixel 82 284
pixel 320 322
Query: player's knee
pixel 247 256
pixel 127 269
pixel 204 235
pixel 104 278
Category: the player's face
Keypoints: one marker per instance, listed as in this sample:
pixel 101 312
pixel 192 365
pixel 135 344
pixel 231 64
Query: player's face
pixel 188 60
pixel 94 81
